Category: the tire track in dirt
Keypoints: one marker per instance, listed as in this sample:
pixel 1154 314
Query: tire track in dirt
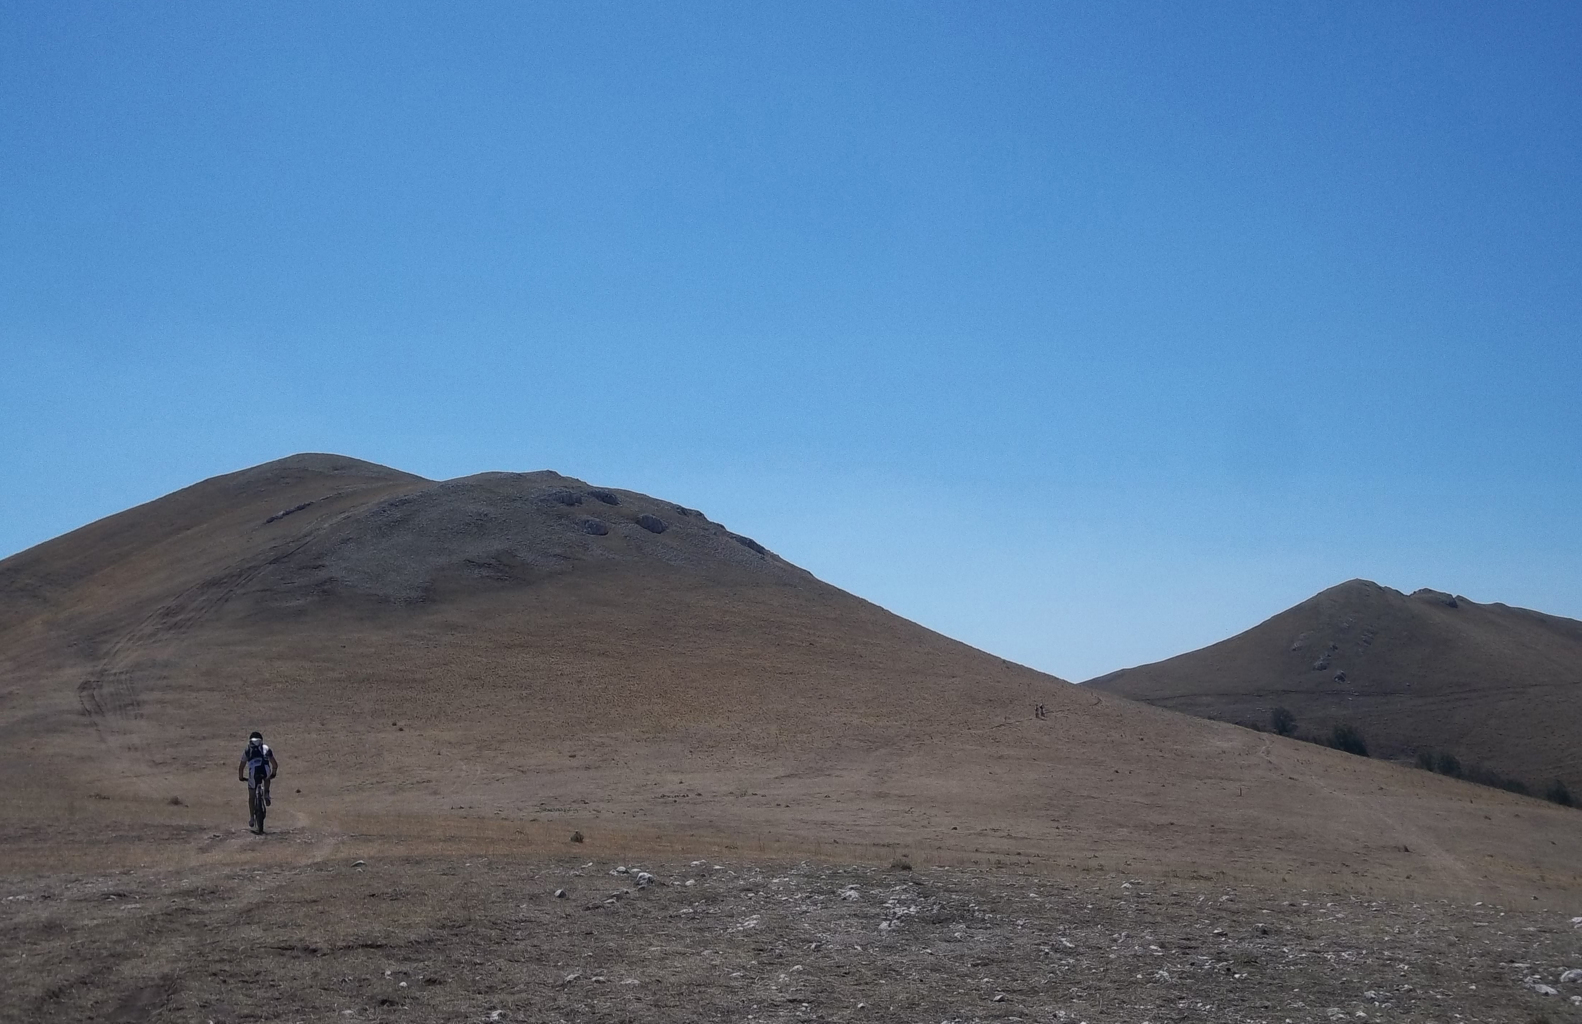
pixel 109 695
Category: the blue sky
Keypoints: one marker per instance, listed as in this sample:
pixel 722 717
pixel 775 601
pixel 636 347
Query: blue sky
pixel 1086 333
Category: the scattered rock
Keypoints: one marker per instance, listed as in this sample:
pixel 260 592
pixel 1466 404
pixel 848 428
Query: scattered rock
pixel 595 527
pixel 1544 990
pixel 1340 677
pixel 653 524
pixel 562 496
pixel 281 515
pixel 560 894
pixel 355 863
pixel 644 879
pixel 1572 977
pixel 605 496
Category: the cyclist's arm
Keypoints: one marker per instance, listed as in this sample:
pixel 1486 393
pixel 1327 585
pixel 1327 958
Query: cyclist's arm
pixel 274 766
pixel 241 770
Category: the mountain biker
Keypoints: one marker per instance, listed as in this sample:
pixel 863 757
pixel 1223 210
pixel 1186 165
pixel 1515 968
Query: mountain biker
pixel 257 756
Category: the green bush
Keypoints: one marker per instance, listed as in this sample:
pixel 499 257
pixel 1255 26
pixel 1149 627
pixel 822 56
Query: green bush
pixel 1448 764
pixel 1283 721
pixel 1347 738
pixel 1489 777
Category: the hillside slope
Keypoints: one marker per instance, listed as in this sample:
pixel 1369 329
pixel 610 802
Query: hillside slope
pixel 1494 685
pixel 509 657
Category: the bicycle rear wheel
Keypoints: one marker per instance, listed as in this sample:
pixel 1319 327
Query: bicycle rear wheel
pixel 255 800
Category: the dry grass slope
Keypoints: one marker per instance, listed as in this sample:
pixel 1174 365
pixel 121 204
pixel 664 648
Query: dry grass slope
pixel 460 675
pixel 469 658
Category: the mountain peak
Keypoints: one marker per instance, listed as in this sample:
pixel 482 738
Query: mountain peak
pixel 1427 671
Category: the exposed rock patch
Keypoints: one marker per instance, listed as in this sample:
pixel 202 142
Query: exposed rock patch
pixel 748 543
pixel 290 511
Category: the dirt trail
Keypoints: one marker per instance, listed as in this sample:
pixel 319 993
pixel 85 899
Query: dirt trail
pixel 1412 839
pixel 110 696
pixel 726 939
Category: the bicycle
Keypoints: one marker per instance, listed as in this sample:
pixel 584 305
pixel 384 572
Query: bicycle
pixel 257 806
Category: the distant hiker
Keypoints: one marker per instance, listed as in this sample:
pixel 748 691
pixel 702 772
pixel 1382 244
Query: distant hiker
pixel 1039 711
pixel 258 764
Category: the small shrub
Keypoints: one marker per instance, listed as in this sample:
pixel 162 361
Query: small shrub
pixel 1425 760
pixel 901 864
pixel 576 837
pixel 1489 777
pixel 1283 721
pixel 1346 737
pixel 1446 764
pixel 175 801
pixel 1559 794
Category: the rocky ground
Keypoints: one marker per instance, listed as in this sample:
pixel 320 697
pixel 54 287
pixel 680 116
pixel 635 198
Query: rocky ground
pixel 492 939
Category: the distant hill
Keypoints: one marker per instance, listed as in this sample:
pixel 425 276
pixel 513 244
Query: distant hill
pixel 531 654
pixel 1493 685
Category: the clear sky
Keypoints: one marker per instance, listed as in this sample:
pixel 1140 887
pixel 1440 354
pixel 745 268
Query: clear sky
pixel 1085 333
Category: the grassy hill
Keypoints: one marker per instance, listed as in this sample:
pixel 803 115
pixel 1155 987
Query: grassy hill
pixel 506 658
